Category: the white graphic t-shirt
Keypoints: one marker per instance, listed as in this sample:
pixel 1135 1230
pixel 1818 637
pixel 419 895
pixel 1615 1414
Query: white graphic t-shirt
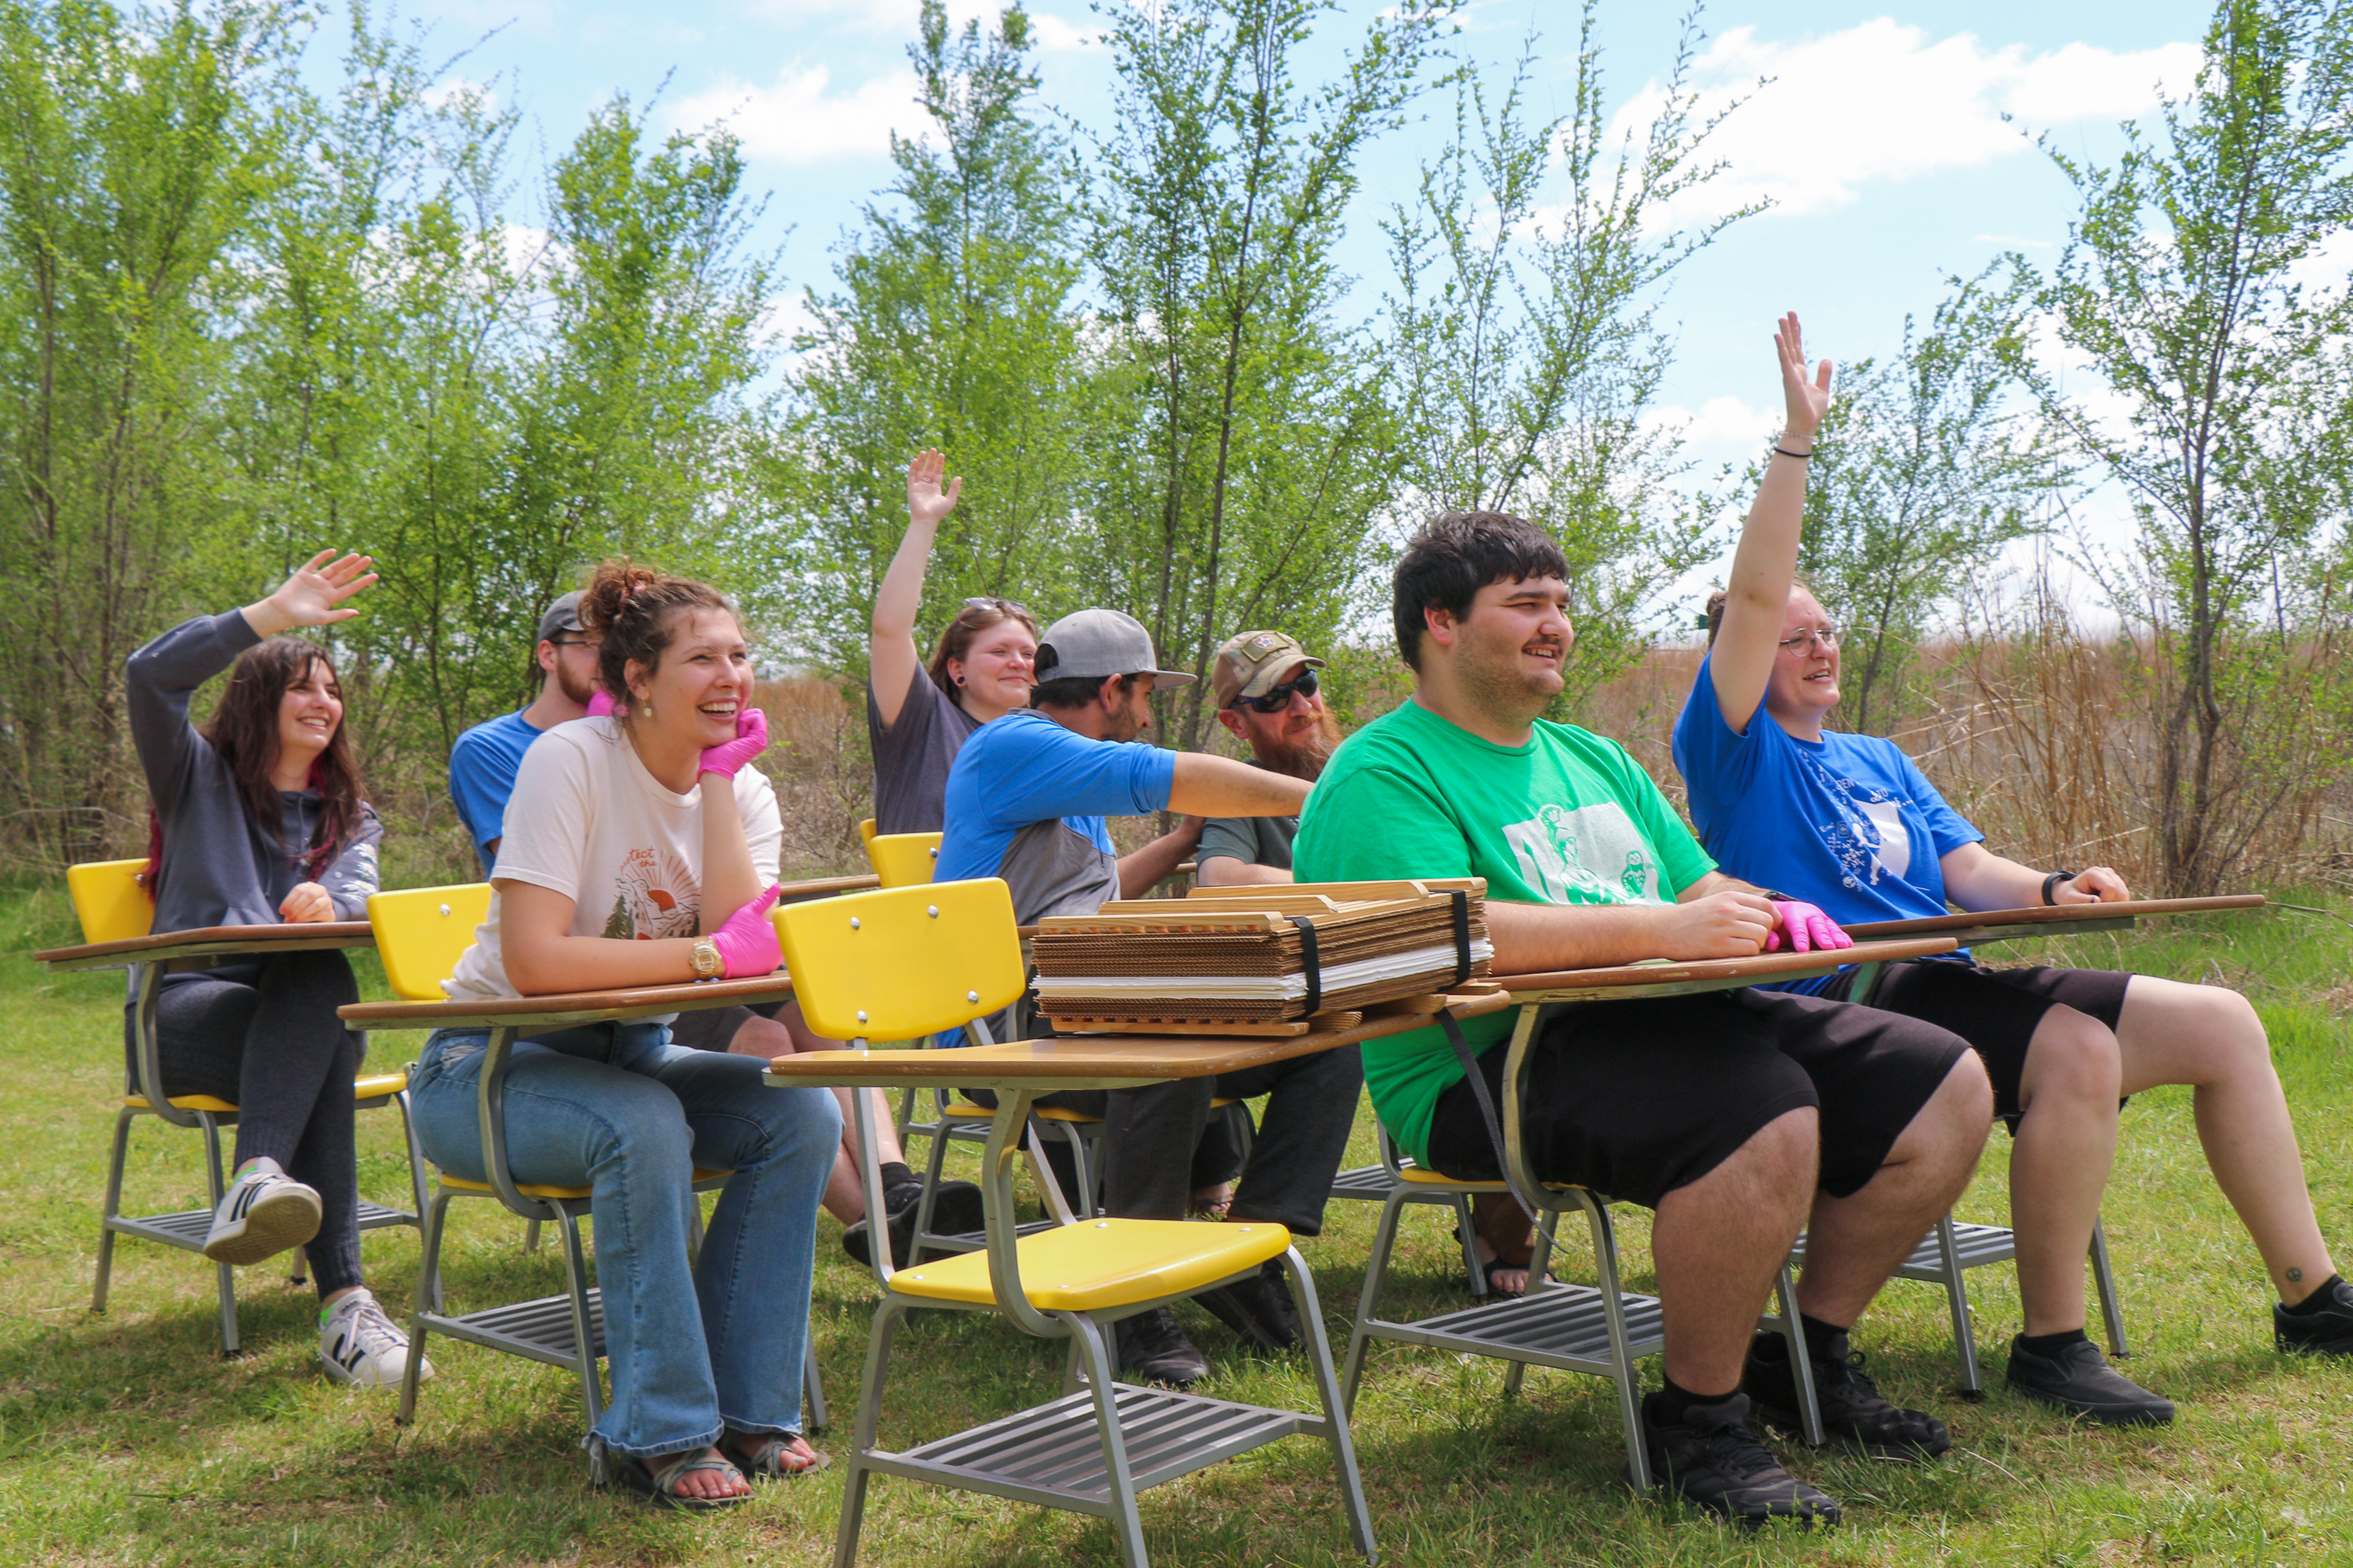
pixel 587 821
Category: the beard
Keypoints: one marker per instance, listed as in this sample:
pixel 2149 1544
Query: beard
pixel 1300 757
pixel 574 689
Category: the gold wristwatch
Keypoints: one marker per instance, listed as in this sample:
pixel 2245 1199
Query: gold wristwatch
pixel 708 963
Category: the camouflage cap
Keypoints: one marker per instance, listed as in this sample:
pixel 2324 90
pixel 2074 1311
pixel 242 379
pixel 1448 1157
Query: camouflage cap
pixel 1248 664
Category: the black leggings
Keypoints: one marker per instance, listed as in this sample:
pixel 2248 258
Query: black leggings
pixel 264 1037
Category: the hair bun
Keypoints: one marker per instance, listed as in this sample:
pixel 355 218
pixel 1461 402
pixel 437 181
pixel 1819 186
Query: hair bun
pixel 609 591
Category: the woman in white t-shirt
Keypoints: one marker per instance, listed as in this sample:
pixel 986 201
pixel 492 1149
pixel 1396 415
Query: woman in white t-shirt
pixel 639 850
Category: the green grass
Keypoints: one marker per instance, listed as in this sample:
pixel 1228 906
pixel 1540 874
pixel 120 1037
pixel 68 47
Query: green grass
pixel 125 1439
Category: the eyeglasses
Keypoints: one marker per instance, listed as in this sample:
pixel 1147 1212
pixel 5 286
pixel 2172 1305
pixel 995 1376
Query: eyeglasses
pixel 578 642
pixel 1277 698
pixel 1803 643
pixel 1007 605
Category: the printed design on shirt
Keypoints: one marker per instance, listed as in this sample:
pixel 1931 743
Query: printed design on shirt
pixel 1588 855
pixel 1869 841
pixel 657 898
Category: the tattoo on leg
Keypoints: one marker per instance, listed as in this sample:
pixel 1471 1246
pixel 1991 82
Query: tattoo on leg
pixel 2295 1275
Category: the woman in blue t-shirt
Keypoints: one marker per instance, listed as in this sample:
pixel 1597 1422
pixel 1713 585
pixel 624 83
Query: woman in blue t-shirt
pixel 1849 823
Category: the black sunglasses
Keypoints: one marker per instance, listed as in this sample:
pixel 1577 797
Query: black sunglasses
pixel 1007 605
pixel 1277 698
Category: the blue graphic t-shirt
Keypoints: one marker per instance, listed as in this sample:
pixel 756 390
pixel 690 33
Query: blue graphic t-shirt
pixel 1846 821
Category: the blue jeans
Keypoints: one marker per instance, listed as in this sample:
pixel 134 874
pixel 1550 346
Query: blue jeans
pixel 619 1109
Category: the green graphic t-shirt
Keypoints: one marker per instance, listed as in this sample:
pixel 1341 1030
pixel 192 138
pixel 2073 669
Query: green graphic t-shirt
pixel 1568 819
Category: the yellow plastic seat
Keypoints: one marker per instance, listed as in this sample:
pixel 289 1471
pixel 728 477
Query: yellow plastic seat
pixel 903 860
pixel 915 962
pixel 560 1194
pixel 112 906
pixel 1415 1175
pixel 421 933
pixel 1101 1263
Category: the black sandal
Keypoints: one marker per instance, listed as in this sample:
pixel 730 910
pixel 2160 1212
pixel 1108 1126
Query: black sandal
pixel 657 1479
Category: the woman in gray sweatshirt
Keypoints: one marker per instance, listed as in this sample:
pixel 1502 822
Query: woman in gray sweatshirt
pixel 260 820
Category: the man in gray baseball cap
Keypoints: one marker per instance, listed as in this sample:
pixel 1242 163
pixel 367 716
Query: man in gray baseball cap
pixel 482 764
pixel 1026 800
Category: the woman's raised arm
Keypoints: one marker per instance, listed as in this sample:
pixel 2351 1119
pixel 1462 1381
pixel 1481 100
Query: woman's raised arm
pixel 893 657
pixel 1766 563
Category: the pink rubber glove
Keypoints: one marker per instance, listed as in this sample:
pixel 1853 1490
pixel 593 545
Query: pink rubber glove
pixel 601 705
pixel 747 944
pixel 1809 928
pixel 751 740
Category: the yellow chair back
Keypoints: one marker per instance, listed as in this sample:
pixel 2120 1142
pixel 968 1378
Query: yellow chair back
pixel 421 933
pixel 105 894
pixel 866 833
pixel 903 962
pixel 903 860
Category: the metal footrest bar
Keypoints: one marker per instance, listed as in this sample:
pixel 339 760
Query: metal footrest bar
pixel 1367 1184
pixel 974 1240
pixel 540 1330
pixel 188 1228
pixel 1564 1327
pixel 1975 1246
pixel 1053 1454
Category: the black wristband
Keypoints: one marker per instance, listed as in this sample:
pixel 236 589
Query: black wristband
pixel 2051 882
pixel 1777 897
pixel 1785 451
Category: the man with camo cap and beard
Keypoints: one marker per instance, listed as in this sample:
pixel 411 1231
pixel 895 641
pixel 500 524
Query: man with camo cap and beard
pixel 1265 686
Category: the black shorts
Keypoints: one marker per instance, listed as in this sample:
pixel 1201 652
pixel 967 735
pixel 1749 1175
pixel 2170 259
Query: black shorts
pixel 1637 1099
pixel 713 1028
pixel 1996 1010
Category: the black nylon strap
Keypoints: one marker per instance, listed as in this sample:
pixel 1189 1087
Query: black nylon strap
pixel 1462 902
pixel 1486 1110
pixel 1307 956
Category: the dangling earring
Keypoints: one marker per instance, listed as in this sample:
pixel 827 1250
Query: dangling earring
pixel 649 709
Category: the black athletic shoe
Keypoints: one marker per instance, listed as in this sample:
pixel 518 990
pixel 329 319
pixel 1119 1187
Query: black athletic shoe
pixel 1258 1307
pixel 2077 1379
pixel 1852 1411
pixel 1711 1459
pixel 955 1211
pixel 1153 1348
pixel 2328 1332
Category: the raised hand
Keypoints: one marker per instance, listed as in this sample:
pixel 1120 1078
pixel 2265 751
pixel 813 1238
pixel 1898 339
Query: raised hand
pixel 926 503
pixel 311 596
pixel 1807 400
pixel 751 739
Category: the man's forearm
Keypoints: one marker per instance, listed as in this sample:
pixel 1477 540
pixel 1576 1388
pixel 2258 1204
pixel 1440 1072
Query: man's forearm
pixel 1144 870
pixel 1534 939
pixel 1225 871
pixel 1205 785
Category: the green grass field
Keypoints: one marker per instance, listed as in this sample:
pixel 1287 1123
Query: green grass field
pixel 126 1439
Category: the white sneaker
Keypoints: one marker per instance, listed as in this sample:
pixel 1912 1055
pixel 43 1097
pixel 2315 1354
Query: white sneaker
pixel 357 1343
pixel 264 1212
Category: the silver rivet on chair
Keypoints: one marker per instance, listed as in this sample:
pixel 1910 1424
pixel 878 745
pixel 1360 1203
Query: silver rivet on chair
pixel 445 908
pixel 861 1015
pixel 933 911
pixel 972 996
pixel 853 922
pixel 934 852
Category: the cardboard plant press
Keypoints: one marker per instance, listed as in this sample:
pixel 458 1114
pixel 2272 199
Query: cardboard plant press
pixel 1260 960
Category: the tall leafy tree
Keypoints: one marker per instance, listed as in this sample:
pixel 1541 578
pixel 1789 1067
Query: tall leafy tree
pixel 2191 286
pixel 1526 339
pixel 1251 459
pixel 1924 470
pixel 952 325
pixel 132 150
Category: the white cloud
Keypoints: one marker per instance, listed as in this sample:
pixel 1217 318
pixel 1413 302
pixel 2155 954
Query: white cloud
pixel 1720 423
pixel 798 122
pixel 1883 102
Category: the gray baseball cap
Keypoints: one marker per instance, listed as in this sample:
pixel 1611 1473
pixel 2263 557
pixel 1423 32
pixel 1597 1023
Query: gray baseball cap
pixel 563 615
pixel 1097 644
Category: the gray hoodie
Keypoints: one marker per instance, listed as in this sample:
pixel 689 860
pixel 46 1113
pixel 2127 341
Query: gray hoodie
pixel 220 867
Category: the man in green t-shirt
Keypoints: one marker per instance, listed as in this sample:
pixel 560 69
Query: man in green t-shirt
pixel 1739 1116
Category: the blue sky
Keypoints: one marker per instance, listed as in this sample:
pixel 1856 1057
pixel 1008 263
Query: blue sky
pixel 1881 139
